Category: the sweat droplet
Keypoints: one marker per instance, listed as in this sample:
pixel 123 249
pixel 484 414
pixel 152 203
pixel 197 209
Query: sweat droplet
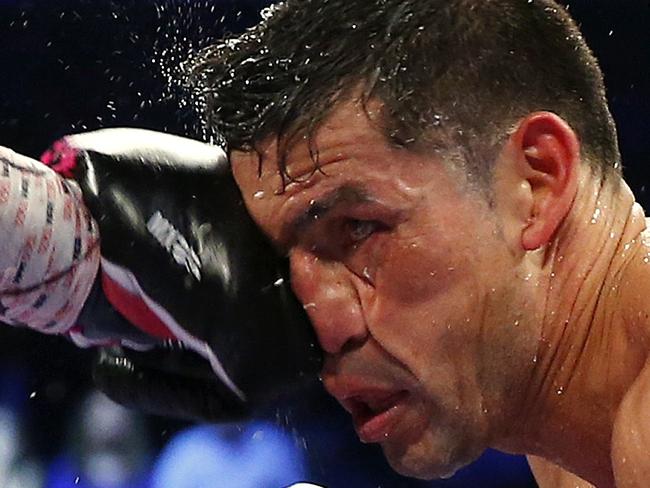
pixel 560 390
pixel 595 216
pixel 258 195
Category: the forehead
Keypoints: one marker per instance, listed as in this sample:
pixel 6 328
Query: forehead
pixel 351 131
pixel 351 149
pixel 350 126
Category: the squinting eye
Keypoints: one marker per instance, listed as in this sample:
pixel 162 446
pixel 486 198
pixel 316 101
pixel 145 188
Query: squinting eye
pixel 358 230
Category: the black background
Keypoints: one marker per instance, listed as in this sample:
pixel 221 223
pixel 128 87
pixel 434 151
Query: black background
pixel 73 65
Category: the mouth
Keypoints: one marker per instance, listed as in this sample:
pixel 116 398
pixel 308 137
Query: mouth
pixel 376 414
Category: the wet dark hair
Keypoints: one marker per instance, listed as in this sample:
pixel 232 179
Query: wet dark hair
pixel 450 73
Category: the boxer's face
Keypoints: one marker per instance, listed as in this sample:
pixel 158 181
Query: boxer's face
pixel 417 298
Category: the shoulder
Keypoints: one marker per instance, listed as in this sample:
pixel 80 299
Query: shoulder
pixel 549 475
pixel 631 436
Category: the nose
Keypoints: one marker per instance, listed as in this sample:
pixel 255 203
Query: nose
pixel 330 300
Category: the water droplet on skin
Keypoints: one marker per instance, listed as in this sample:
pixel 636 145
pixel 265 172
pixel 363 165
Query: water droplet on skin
pixel 258 195
pixel 560 390
pixel 310 305
pixel 595 216
pixel 535 359
pixel 627 246
pixel 366 273
pixel 516 324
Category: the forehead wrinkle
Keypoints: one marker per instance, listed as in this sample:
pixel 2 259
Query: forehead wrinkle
pixel 338 137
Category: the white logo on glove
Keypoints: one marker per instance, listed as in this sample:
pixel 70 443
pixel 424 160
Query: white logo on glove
pixel 175 243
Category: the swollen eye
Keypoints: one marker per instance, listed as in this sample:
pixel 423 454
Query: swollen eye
pixel 361 229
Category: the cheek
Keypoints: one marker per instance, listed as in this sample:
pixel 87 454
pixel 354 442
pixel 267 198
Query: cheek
pixel 413 270
pixel 411 301
pixel 428 300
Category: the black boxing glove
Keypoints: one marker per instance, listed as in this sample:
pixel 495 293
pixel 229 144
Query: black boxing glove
pixel 183 260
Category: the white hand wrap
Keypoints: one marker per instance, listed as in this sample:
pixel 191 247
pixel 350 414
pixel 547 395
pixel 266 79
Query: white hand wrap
pixel 50 247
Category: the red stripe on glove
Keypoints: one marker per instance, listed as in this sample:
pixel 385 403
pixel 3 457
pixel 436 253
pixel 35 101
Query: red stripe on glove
pixel 135 310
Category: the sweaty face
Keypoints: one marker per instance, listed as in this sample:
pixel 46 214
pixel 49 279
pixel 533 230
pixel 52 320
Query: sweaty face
pixel 405 275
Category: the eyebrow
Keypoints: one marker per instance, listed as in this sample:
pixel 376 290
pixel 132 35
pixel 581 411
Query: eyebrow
pixel 346 194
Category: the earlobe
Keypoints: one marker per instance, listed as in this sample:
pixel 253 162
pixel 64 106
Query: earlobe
pixel 549 154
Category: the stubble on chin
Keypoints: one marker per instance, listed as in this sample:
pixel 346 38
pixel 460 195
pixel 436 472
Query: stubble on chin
pixel 438 453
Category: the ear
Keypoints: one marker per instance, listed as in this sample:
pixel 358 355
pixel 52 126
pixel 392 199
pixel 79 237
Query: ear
pixel 547 153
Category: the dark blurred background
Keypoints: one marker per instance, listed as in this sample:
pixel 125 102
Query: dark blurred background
pixel 75 65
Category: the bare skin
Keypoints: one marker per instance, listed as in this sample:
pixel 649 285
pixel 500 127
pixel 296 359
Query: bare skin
pixel 453 321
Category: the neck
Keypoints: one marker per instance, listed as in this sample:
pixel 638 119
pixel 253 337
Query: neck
pixel 593 334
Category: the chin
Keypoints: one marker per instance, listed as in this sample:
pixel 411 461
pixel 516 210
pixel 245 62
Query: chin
pixel 431 457
pixel 424 468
